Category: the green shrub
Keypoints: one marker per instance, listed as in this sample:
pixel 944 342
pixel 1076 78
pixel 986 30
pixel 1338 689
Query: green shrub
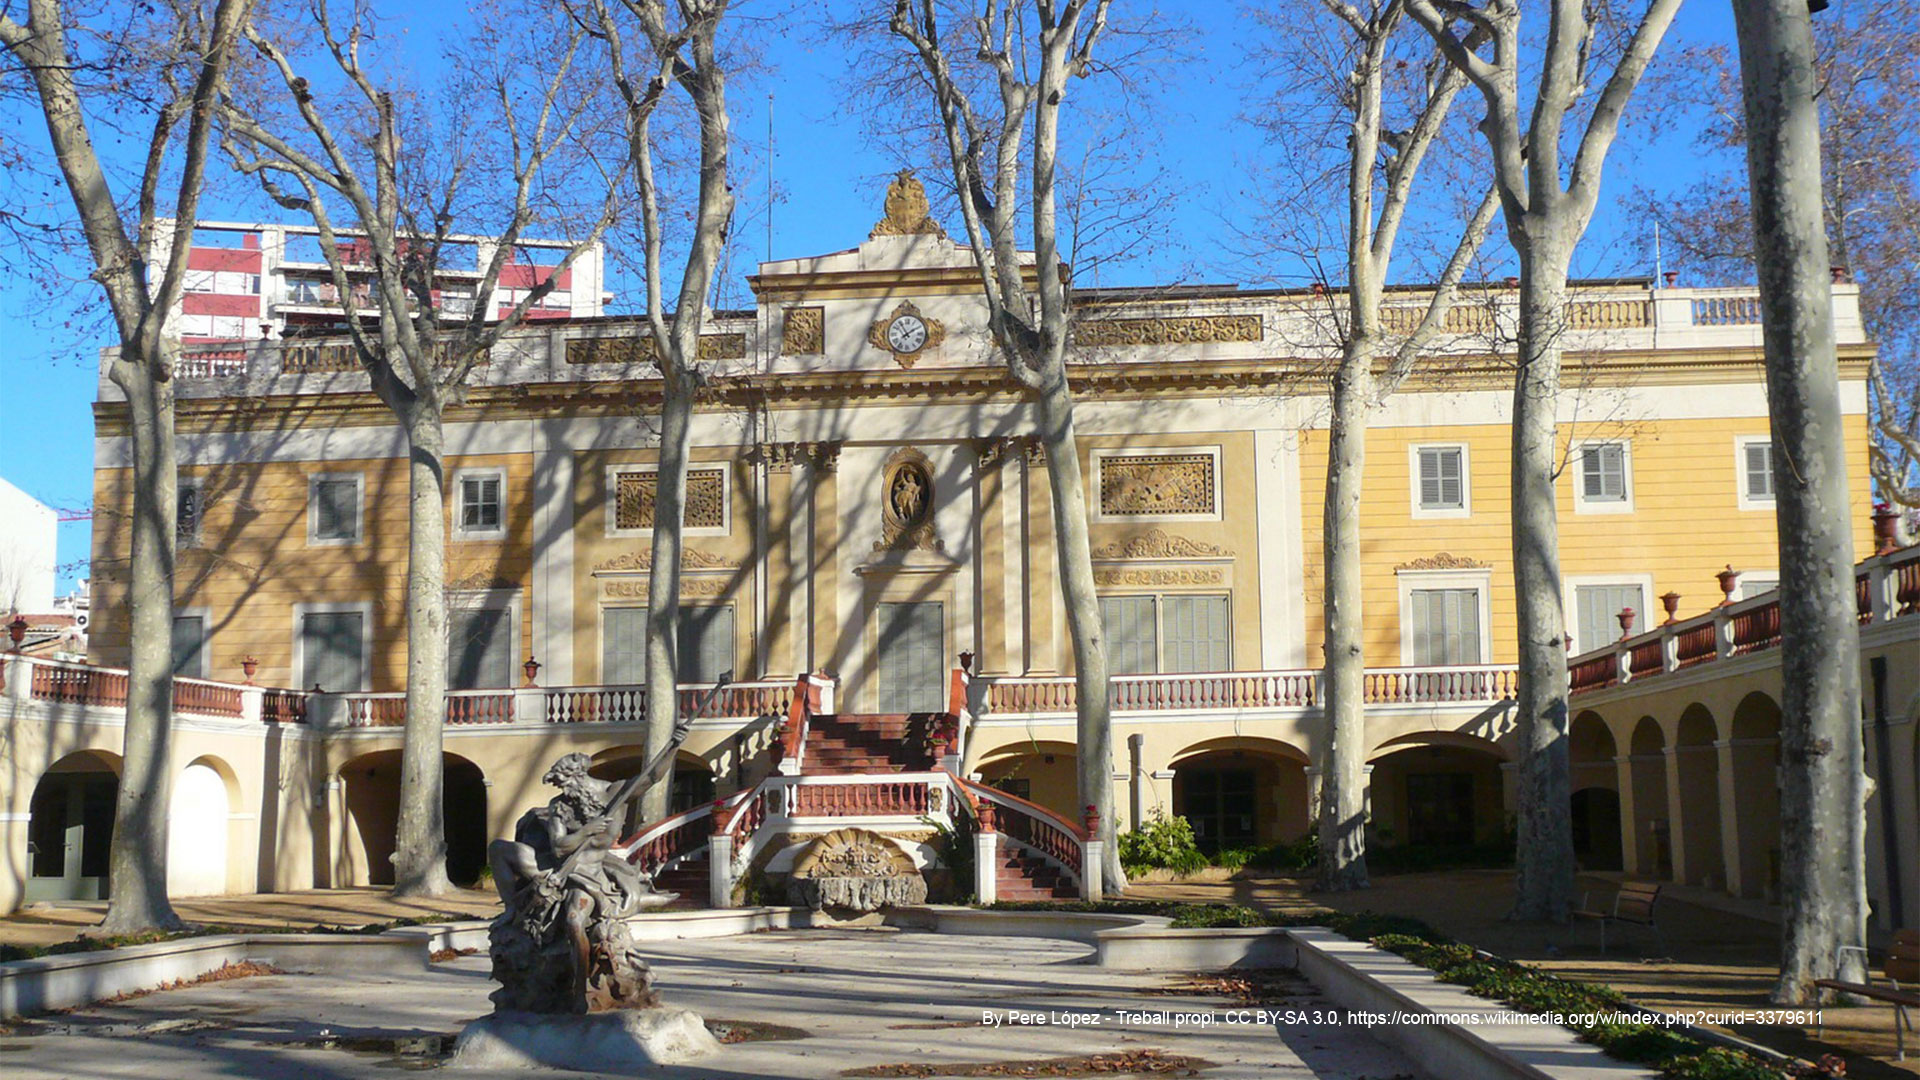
pixel 1163 843
pixel 1212 916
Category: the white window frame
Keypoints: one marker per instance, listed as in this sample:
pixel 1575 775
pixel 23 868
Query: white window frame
pixel 1465 509
pixel 1570 603
pixel 1101 455
pixel 461 531
pixel 1749 501
pixel 1769 580
pixel 640 605
pixel 612 509
pixel 1409 581
pixel 1160 623
pixel 1576 465
pixel 314 539
pixel 365 608
pixel 483 599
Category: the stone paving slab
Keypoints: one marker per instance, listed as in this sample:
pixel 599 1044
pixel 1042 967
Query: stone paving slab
pixel 867 998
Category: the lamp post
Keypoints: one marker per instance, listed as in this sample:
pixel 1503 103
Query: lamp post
pixel 17 630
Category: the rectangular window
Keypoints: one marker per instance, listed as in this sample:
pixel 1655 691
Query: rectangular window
pixel 1757 466
pixel 187 516
pixel 1147 635
pixel 1446 626
pixel 480 512
pixel 705 645
pixel 1603 473
pixel 1196 633
pixel 1597 607
pixel 332 655
pixel 912 657
pixel 190 646
pixel 1133 642
pixel 479 648
pixel 1442 478
pixel 333 509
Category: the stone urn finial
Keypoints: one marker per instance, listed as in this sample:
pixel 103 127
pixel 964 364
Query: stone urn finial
pixel 1729 581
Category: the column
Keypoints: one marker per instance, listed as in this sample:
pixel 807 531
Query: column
pixel 1629 825
pixel 994 639
pixel 1676 817
pixel 776 518
pixel 1043 604
pixel 823 563
pixel 1729 818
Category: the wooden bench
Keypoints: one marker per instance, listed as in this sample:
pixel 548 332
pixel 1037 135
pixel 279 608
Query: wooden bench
pixel 1903 965
pixel 1632 906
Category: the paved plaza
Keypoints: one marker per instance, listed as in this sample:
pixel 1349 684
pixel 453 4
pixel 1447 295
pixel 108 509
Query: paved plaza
pixel 822 1003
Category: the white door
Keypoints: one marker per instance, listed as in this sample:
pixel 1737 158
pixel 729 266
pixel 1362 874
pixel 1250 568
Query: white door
pixel 197 834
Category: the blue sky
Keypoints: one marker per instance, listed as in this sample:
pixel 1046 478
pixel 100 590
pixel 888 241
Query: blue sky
pixel 829 171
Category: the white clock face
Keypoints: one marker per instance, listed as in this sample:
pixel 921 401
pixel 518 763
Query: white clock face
pixel 907 334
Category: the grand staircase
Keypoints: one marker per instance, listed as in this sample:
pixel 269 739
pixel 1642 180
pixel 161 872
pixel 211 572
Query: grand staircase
pixel 888 771
pixel 854 744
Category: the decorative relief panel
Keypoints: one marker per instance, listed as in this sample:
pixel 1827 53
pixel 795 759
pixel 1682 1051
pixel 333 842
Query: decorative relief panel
pixel 1154 544
pixel 631 589
pixel 804 332
pixel 706 499
pixel 639 349
pixel 1444 561
pixel 1162 576
pixel 1156 484
pixel 642 562
pixel 1187 330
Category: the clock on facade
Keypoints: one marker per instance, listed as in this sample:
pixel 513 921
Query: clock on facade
pixel 906 333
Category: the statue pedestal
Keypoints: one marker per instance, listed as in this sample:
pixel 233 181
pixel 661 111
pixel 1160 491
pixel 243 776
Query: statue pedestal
pixel 620 1041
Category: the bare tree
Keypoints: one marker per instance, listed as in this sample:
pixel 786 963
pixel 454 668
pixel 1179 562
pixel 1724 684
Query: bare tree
pixel 1822 775
pixel 1870 150
pixel 679 49
pixel 418 357
pixel 1381 166
pixel 199 48
pixel 1030 51
pixel 1546 214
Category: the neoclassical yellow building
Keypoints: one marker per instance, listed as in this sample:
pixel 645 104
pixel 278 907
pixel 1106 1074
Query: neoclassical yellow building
pixel 866 504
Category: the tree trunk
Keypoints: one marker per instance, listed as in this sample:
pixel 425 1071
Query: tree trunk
pixel 1094 738
pixel 420 848
pixel 1543 884
pixel 663 583
pixel 1343 847
pixel 1822 793
pixel 137 858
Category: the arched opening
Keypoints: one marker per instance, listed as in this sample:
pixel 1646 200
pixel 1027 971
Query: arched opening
pixel 1756 787
pixel 1440 793
pixel 70 827
pixel 199 813
pixel 1652 828
pixel 1596 828
pixel 1040 772
pixel 1241 793
pixel 373 804
pixel 1698 768
pixel 1596 794
pixel 692 785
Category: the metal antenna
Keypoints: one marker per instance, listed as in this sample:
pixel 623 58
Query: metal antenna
pixel 769 177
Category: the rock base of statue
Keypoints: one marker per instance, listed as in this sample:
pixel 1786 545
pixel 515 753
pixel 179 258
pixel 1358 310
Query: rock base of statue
pixel 620 1041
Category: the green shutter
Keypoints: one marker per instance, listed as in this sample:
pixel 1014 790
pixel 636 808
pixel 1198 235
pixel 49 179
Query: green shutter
pixel 479 649
pixel 1197 635
pixel 912 657
pixel 623 646
pixel 330 650
pixel 1133 647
